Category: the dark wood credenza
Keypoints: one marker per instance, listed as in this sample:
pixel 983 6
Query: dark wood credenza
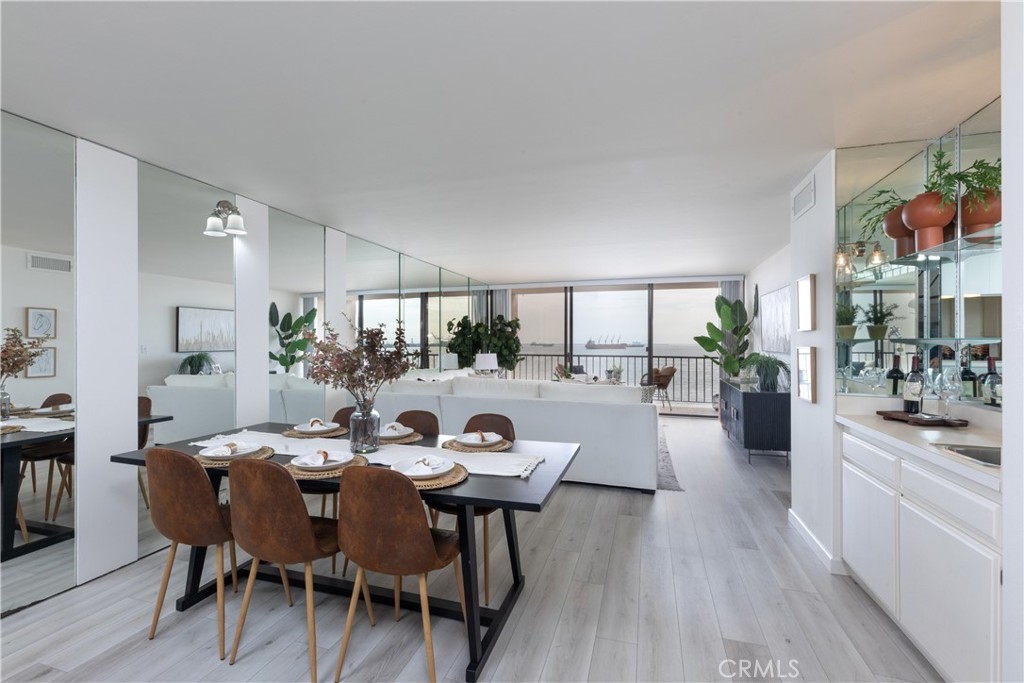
pixel 756 421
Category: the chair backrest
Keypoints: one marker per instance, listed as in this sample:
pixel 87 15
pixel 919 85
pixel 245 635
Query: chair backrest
pixel 423 421
pixel 56 400
pixel 343 415
pixel 182 502
pixel 145 410
pixel 269 518
pixel 491 422
pixel 395 540
pixel 664 377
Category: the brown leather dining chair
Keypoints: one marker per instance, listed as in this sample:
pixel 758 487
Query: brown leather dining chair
pixel 184 508
pixel 398 543
pixel 484 422
pixel 422 421
pixel 30 455
pixel 343 415
pixel 270 522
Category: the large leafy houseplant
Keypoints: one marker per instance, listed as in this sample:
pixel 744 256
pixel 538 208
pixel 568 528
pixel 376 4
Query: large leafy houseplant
pixel 729 339
pixel 291 336
pixel 501 337
pixel 503 340
pixel 465 340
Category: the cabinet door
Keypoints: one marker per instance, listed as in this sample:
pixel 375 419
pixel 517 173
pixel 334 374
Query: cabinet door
pixel 949 596
pixel 870 509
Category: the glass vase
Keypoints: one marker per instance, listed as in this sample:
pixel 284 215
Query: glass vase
pixel 5 405
pixel 364 428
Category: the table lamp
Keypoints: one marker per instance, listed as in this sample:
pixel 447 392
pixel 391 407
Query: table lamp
pixel 487 363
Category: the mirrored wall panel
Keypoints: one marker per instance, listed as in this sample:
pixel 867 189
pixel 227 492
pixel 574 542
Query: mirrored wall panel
pixel 38 234
pixel 421 284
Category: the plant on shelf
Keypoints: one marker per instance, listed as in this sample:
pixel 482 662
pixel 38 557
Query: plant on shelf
pixel 728 340
pixel 981 204
pixel 290 335
pixel 769 368
pixel 877 316
pixel 929 212
pixel 880 204
pixel 846 320
pixel 196 364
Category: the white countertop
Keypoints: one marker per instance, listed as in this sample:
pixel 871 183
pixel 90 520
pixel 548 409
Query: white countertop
pixel 919 441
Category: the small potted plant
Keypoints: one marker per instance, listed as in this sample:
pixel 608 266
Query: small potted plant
pixel 846 321
pixel 981 204
pixel 200 363
pixel 885 210
pixel 769 368
pixel 932 210
pixel 617 373
pixel 877 316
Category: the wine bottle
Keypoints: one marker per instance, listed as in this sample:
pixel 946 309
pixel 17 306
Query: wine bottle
pixel 913 387
pixel 992 386
pixel 895 375
pixel 969 378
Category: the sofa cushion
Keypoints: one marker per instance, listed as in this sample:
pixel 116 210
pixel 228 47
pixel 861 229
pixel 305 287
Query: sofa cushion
pixel 589 393
pixel 497 388
pixel 413 386
pixel 203 381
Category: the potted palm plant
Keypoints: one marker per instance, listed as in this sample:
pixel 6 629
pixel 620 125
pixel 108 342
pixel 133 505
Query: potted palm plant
pixel 877 316
pixel 981 204
pixel 846 321
pixel 932 210
pixel 885 210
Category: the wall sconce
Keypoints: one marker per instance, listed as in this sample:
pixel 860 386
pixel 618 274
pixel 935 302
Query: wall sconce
pixel 845 270
pixel 225 220
pixel 877 257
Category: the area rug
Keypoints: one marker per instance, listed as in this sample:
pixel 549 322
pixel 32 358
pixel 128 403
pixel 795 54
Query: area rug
pixel 667 480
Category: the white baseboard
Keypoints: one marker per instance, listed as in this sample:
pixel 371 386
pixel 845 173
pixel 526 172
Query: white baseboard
pixel 834 565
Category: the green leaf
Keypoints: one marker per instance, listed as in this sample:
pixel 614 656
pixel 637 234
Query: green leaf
pixel 725 313
pixel 715 333
pixel 707 343
pixel 742 348
pixel 739 313
pixel 274 316
pixel 731 365
pixel 757 299
pixel 309 317
pixel 286 322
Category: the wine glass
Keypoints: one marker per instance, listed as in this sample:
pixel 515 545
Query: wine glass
pixel 949 385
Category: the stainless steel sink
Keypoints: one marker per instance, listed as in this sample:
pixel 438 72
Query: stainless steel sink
pixel 986 455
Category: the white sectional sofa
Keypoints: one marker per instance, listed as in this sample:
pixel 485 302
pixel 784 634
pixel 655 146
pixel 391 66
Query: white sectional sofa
pixel 617 433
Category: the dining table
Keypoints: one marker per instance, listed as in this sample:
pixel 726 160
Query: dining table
pixel 11 446
pixel 505 493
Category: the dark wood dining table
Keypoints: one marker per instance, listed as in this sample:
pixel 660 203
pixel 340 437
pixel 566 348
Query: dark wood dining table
pixel 508 494
pixel 11 446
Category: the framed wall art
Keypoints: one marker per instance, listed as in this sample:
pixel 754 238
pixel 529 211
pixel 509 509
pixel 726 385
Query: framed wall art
pixel 805 303
pixel 40 323
pixel 205 329
pixel 43 366
pixel 775 320
pixel 806 371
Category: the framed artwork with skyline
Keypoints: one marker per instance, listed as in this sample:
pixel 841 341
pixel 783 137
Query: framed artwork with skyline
pixel 205 329
pixel 775 317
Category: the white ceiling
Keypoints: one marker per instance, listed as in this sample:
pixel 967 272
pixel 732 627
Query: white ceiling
pixel 509 141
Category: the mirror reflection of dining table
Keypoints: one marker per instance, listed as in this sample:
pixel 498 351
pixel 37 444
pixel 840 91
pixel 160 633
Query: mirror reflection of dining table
pixel 37 428
pixel 506 493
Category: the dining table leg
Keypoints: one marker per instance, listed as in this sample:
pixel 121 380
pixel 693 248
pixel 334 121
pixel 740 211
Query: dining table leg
pixel 471 583
pixel 512 536
pixel 9 475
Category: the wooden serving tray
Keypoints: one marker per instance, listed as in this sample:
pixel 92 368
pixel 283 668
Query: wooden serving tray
pixel 918 420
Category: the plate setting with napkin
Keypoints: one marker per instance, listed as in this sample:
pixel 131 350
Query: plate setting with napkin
pixel 424 467
pixel 321 460
pixel 220 454
pixel 396 432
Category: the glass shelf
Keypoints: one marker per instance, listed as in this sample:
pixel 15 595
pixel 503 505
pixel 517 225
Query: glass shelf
pixel 983 242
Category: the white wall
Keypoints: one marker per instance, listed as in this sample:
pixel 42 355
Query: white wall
pixel 159 297
pixel 1012 47
pixel 40 289
pixel 815 459
pixel 768 275
pixel 252 302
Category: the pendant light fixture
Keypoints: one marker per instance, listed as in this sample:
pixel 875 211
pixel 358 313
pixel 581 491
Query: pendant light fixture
pixel 225 220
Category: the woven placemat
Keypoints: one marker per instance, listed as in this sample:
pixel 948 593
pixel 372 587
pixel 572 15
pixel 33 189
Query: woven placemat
pixel 21 411
pixel 12 429
pixel 454 445
pixel 292 434
pixel 54 413
pixel 356 461
pixel 411 438
pixel 262 454
pixel 455 476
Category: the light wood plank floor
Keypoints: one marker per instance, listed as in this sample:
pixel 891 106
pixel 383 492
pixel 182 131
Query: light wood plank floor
pixel 620 586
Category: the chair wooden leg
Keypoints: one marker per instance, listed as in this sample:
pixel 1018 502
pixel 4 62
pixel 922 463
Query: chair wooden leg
pixel 284 582
pixel 462 589
pixel 311 620
pixel 21 521
pixel 427 637
pixel 323 505
pixel 344 568
pixel 24 468
pixel 348 622
pixel 366 599
pixel 33 477
pixel 245 607
pixel 163 589
pixel 398 598
pixel 145 495
pixel 234 568
pixel 334 563
pixel 49 489
pixel 487 560
pixel 65 484
pixel 220 600
pixel 434 514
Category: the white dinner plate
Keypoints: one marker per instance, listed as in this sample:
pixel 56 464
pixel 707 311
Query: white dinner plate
pixel 395 433
pixel 242 449
pixel 335 459
pixel 473 439
pixel 445 466
pixel 319 429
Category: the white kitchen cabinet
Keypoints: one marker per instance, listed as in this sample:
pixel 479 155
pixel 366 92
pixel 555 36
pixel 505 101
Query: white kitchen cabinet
pixel 949 595
pixel 870 513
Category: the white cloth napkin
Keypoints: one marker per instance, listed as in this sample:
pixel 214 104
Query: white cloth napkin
pixel 417 469
pixel 218 451
pixel 396 427
pixel 315 459
pixel 41 424
pixel 473 437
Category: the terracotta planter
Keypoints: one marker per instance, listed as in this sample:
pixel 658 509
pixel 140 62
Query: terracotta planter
pixel 926 215
pixel 895 228
pixel 978 217
pixel 949 232
pixel 846 332
pixel 877 332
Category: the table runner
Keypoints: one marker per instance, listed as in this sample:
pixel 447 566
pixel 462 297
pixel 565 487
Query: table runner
pixel 492 464
pixel 41 424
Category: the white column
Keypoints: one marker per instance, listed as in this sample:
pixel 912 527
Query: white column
pixel 335 295
pixel 252 303
pixel 107 293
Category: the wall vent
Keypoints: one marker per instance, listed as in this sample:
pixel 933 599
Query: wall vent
pixel 52 262
pixel 803 199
